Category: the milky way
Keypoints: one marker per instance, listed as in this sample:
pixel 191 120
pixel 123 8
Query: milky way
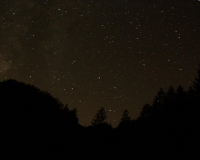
pixel 92 54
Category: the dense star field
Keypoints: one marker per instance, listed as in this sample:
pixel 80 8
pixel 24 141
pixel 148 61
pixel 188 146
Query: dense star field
pixel 100 53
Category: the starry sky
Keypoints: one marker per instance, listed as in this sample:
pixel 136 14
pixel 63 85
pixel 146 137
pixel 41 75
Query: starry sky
pixel 89 54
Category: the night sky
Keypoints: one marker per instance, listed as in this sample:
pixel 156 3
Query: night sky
pixel 114 54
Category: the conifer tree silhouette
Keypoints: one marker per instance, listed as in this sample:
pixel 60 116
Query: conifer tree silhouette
pixel 159 98
pixel 100 117
pixel 125 117
pixel 180 97
pixel 125 120
pixel 147 111
pixel 197 83
pixel 170 100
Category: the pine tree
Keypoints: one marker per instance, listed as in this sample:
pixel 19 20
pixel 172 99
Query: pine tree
pixel 159 99
pixel 147 111
pixel 197 83
pixel 170 99
pixel 180 97
pixel 100 117
pixel 125 118
pixel 180 90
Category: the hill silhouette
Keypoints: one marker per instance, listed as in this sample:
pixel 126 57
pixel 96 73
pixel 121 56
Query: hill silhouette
pixel 36 125
pixel 32 121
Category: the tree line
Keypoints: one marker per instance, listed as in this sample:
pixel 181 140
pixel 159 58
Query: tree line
pixel 36 125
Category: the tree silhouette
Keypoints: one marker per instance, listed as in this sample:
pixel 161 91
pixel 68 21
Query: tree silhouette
pixel 100 117
pixel 125 117
pixel 73 115
pixel 170 100
pixel 180 90
pixel 69 116
pixel 125 120
pixel 197 83
pixel 33 122
pixel 147 111
pixel 181 97
pixel 159 99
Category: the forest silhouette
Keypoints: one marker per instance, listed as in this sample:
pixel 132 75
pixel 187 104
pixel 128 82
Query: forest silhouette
pixel 34 125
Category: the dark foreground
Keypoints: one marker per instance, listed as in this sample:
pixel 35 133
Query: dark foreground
pixel 34 125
